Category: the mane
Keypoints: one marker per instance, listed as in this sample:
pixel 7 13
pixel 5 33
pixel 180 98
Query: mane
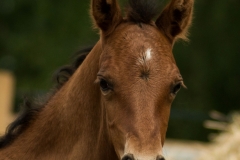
pixel 142 11
pixel 30 109
pixel 65 72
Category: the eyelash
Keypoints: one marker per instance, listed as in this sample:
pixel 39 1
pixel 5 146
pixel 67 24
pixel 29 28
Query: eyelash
pixel 176 88
pixel 105 85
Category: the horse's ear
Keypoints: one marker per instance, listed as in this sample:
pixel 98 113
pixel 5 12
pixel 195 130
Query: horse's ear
pixel 176 19
pixel 106 14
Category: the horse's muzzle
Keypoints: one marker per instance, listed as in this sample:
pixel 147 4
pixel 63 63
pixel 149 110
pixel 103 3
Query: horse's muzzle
pixel 131 157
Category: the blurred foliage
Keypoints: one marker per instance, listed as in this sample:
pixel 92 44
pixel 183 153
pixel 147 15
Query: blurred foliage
pixel 226 144
pixel 36 37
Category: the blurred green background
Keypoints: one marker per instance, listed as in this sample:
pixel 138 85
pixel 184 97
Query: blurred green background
pixel 37 37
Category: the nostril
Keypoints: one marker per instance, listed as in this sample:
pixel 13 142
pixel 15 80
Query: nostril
pixel 160 158
pixel 128 157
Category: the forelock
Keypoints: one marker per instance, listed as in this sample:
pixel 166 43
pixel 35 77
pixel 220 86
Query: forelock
pixel 143 11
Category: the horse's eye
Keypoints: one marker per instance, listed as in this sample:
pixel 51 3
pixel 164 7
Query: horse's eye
pixel 104 85
pixel 176 88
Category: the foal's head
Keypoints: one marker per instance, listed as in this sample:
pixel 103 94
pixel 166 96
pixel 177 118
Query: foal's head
pixel 138 76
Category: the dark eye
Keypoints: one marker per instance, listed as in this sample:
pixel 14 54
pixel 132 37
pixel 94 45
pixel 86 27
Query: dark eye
pixel 176 88
pixel 104 85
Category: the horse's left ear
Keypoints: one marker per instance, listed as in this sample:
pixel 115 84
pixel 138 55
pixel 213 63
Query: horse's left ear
pixel 176 19
pixel 106 14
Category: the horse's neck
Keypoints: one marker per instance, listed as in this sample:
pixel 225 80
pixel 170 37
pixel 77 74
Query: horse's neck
pixel 71 125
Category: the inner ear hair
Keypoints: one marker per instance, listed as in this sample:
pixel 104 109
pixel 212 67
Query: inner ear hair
pixel 176 19
pixel 106 14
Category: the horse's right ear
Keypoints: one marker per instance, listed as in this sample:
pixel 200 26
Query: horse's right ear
pixel 106 14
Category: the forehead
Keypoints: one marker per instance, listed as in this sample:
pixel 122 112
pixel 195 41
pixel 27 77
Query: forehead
pixel 136 36
pixel 137 46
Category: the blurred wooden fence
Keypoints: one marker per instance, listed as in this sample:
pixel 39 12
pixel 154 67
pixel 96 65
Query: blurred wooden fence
pixel 7 83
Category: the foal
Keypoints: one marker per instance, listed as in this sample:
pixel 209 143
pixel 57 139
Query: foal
pixel 116 105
